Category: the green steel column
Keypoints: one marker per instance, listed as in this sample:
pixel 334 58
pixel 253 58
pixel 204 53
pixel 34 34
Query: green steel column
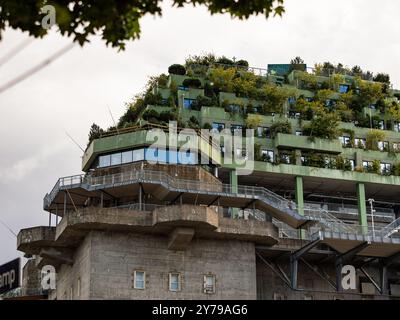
pixel 362 208
pixel 299 195
pixel 234 188
pixel 300 201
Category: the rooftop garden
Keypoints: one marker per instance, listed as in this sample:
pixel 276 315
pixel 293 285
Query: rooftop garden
pixel 321 99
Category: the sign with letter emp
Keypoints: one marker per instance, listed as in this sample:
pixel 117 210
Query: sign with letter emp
pixel 10 276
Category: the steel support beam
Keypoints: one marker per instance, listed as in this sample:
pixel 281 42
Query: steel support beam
pixel 249 204
pixel 344 258
pixel 214 201
pixel 294 261
pixel 369 277
pixel 270 265
pixel 384 264
pixel 177 197
pixel 319 273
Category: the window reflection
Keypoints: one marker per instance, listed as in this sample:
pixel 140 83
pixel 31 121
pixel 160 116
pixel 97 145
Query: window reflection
pixel 149 154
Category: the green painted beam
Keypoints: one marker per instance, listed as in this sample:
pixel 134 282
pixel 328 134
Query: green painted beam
pixel 362 208
pixel 233 178
pixel 299 194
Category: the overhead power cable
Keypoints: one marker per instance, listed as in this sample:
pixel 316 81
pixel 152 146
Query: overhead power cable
pixel 8 228
pixel 36 68
pixel 13 52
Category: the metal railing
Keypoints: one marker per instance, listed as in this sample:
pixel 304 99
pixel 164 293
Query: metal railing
pixel 328 221
pixel 181 185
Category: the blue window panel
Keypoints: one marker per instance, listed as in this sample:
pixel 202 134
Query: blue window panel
pixel 234 108
pixel 187 158
pixel 105 161
pixel 235 127
pixel 116 159
pixel 292 100
pixel 138 155
pixel 127 156
pixel 172 157
pixel 156 155
pixel 187 103
pixel 218 126
pixel 343 88
pixel 309 99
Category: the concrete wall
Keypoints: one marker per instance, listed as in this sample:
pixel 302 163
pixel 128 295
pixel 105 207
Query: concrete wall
pixel 68 277
pixel 115 256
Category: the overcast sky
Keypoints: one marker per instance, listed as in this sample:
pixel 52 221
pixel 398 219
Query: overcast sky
pixel 76 90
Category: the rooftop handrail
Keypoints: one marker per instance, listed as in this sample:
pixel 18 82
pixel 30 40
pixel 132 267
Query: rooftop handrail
pixel 150 126
pixel 163 177
pixel 329 221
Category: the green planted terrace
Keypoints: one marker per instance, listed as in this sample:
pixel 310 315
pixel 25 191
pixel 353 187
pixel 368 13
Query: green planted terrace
pixel 329 116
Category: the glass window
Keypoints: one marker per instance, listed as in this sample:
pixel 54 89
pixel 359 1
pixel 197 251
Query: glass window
pixel 156 155
pixel 267 155
pixel 234 108
pixel 386 168
pixel 285 158
pixel 218 126
pixel 138 155
pixel 209 284
pixel 345 141
pixel 263 132
pixel 187 157
pixel 383 145
pixel 396 126
pixel 139 280
pixel 396 146
pixel 360 143
pixel 116 159
pixel 367 165
pixel 235 127
pixel 174 282
pixel 299 133
pixel 187 103
pixel 127 156
pixel 381 124
pixel 104 161
pixel 343 88
pixel 352 164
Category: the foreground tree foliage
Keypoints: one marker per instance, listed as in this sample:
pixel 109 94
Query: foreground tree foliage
pixel 116 20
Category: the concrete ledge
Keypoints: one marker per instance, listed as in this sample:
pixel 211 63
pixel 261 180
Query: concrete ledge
pixel 186 215
pixel 180 223
pixel 31 240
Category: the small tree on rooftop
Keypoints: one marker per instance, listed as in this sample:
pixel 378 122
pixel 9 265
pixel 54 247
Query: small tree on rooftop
pixel 281 127
pixel 254 122
pixel 95 132
pixel 297 60
pixel 373 138
pixel 394 111
pixel 177 69
pixel 325 126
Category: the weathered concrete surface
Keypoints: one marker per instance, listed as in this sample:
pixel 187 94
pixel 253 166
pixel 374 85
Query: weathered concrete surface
pixel 115 256
pixel 31 240
pixel 205 221
pixel 180 239
pixel 186 215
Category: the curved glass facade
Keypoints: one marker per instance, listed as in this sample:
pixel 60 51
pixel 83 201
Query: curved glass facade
pixel 146 154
